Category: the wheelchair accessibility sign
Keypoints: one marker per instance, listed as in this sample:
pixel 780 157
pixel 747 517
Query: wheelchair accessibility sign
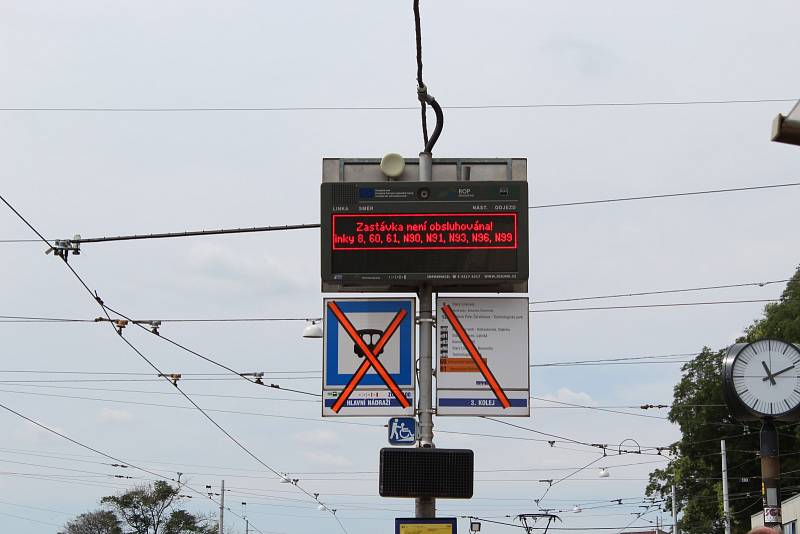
pixel 402 431
pixel 368 357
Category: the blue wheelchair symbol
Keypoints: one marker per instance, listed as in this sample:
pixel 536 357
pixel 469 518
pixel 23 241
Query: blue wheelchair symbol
pixel 402 431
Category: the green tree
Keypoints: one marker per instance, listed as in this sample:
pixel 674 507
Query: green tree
pixel 152 510
pixel 97 522
pixel 699 410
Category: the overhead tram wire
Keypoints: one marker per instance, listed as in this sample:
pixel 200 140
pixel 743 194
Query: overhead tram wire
pixel 566 477
pixel 607 410
pixel 144 322
pixel 105 310
pixel 13 516
pixel 562 404
pixel 547 310
pixel 664 305
pixel 660 292
pixel 550 442
pixel 177 407
pixel 109 456
pixel 641 103
pixel 270 415
pixel 626 360
pixel 248 413
pixel 212 361
pixel 663 195
pixel 257 229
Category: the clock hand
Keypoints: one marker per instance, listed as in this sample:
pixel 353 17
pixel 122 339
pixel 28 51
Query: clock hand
pixel 778 373
pixel 770 376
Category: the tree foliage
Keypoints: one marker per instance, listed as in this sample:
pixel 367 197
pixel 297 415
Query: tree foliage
pixel 699 410
pixel 148 509
pixel 97 522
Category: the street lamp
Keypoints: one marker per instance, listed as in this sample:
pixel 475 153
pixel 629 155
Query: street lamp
pixel 312 329
pixel 474 526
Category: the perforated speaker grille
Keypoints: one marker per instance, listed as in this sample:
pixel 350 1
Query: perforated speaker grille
pixel 345 194
pixel 421 472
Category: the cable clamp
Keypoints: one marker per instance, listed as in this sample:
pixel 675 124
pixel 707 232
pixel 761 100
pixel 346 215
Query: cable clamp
pixel 422 93
pixel 120 324
pixel 63 247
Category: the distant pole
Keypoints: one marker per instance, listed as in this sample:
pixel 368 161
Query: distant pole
pixel 725 503
pixel 221 507
pixel 674 512
pixel 246 526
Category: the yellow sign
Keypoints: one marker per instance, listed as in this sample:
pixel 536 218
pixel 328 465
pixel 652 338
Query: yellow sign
pixel 430 528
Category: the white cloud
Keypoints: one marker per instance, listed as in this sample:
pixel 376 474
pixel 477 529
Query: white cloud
pixel 649 392
pixel 110 415
pixel 221 268
pixel 30 433
pixel 317 437
pixel 572 397
pixel 326 458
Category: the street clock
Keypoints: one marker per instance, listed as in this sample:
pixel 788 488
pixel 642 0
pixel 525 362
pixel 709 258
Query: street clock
pixel 761 380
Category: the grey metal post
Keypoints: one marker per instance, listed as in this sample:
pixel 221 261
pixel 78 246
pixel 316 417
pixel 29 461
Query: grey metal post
pixel 221 506
pixel 425 507
pixel 725 503
pixel 674 512
pixel 246 526
pixel 425 166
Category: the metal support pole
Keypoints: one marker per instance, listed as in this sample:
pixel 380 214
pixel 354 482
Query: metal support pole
pixel 425 507
pixel 674 512
pixel 246 526
pixel 221 506
pixel 726 510
pixel 770 475
pixel 425 166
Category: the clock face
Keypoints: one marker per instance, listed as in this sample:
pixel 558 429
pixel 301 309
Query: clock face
pixel 766 377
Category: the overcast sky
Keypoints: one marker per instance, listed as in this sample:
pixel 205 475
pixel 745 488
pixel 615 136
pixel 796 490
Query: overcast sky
pixel 101 173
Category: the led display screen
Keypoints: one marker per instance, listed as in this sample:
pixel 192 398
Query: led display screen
pixel 415 231
pixel 449 234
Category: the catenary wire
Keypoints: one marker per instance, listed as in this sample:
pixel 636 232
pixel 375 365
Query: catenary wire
pixel 660 292
pixel 664 195
pixel 101 453
pixel 196 233
pixel 548 310
pixel 641 103
pixel 212 361
pixel 233 439
pixel 170 393
pixel 566 405
pixel 352 423
pixel 224 471
pixel 664 305
pixel 29 519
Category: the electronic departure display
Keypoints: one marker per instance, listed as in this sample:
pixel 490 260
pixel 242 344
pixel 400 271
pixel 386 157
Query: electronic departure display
pixel 434 231
pixel 457 236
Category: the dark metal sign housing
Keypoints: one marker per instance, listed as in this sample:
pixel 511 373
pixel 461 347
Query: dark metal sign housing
pixel 455 235
pixel 426 472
